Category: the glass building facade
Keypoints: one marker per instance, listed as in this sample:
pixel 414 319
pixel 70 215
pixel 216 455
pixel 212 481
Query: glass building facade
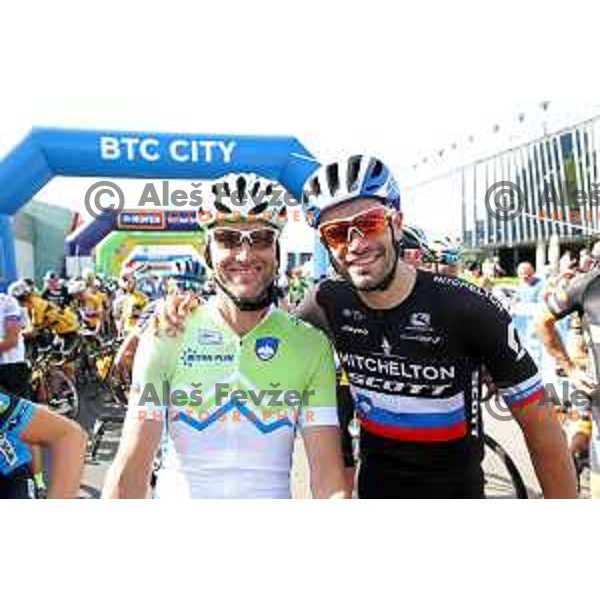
pixel 540 190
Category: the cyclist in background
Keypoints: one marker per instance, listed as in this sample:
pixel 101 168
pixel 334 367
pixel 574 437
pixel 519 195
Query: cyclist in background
pixel 15 375
pixel 175 284
pixel 14 371
pixel 88 305
pixel 446 257
pixel 130 304
pixel 55 290
pixel 582 298
pixel 415 248
pixel 46 316
pixel 96 295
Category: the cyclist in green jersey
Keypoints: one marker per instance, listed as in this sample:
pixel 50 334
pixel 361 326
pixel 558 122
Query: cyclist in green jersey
pixel 227 394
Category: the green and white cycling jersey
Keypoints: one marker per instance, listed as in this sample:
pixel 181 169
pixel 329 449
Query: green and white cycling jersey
pixel 231 405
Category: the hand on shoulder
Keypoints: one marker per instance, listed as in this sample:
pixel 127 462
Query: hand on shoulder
pixel 171 313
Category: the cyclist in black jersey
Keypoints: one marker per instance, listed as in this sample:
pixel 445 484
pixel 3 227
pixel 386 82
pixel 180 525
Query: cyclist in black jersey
pixel 412 345
pixel 55 290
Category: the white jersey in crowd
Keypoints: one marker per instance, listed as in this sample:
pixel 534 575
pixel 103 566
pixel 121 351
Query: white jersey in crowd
pixel 10 310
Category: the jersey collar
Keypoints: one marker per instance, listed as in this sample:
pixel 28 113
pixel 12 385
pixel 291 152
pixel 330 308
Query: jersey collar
pixel 212 306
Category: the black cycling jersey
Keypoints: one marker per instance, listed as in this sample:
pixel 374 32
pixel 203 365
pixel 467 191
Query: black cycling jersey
pixel 582 296
pixel 414 374
pixel 59 297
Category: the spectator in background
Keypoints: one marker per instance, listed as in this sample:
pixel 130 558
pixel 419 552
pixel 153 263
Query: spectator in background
pixel 498 270
pixel 487 269
pixel 528 300
pixel 530 283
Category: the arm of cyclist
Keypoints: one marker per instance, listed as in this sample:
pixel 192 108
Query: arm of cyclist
pixel 493 336
pixel 559 305
pixel 324 454
pixel 12 331
pixel 129 475
pixel 173 311
pixel 65 441
pixel 345 408
pixel 546 326
pixel 123 364
pixel 548 450
pixel 320 423
pixel 24 423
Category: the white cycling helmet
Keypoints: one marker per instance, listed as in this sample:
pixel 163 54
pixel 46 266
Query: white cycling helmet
pixel 20 289
pixel 75 287
pixel 243 197
pixel 356 177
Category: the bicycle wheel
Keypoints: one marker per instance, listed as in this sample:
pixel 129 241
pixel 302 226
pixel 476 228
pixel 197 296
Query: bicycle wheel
pixel 502 478
pixel 63 397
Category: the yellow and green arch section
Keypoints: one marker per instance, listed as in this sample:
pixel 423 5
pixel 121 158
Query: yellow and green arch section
pixel 117 246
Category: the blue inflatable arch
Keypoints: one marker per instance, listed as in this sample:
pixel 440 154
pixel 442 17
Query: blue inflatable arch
pixel 45 153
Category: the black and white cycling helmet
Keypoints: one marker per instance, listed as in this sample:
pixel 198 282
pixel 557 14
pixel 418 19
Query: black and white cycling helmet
pixel 20 289
pixel 356 177
pixel 241 197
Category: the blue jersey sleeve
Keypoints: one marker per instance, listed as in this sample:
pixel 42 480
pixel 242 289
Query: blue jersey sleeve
pixel 15 416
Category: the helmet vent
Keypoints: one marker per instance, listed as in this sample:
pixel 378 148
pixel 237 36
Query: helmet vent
pixel 240 184
pixel 333 178
pixel 353 172
pixel 377 168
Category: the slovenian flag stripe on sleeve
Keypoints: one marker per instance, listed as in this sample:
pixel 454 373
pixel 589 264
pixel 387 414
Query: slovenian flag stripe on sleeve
pixel 524 394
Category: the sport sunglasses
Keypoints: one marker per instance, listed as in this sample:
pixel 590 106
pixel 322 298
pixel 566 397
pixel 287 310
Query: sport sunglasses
pixel 372 222
pixel 259 239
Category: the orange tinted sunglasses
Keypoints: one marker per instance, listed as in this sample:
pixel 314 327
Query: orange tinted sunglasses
pixel 372 222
